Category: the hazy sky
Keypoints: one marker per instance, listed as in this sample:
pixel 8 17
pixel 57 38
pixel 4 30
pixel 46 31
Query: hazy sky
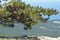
pixel 41 1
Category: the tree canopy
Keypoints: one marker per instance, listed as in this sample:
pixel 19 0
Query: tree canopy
pixel 16 11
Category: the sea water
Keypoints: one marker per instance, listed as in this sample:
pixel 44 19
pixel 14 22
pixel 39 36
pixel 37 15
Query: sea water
pixel 40 29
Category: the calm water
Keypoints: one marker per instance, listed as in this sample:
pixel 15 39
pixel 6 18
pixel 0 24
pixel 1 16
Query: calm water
pixel 39 29
pixel 44 29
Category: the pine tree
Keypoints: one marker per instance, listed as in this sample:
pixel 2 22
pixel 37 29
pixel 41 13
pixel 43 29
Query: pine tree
pixel 16 11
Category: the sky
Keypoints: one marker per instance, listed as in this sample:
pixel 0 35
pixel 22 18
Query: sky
pixel 46 4
pixel 41 1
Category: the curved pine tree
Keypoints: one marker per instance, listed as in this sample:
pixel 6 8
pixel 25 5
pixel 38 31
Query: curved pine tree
pixel 16 11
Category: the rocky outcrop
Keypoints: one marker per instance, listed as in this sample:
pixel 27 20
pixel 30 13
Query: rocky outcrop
pixel 47 38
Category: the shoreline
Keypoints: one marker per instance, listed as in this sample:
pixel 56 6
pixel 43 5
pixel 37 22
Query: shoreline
pixel 27 37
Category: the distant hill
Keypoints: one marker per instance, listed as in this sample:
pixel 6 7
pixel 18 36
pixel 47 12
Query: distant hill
pixel 51 28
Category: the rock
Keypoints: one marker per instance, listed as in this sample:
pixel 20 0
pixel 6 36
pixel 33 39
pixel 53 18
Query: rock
pixel 47 38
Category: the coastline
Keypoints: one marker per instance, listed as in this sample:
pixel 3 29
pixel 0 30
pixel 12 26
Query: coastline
pixel 25 37
pixel 29 38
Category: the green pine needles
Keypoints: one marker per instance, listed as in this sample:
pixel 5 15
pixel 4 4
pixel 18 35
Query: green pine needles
pixel 16 11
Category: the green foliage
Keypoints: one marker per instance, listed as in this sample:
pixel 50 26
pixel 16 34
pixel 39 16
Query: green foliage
pixel 17 11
